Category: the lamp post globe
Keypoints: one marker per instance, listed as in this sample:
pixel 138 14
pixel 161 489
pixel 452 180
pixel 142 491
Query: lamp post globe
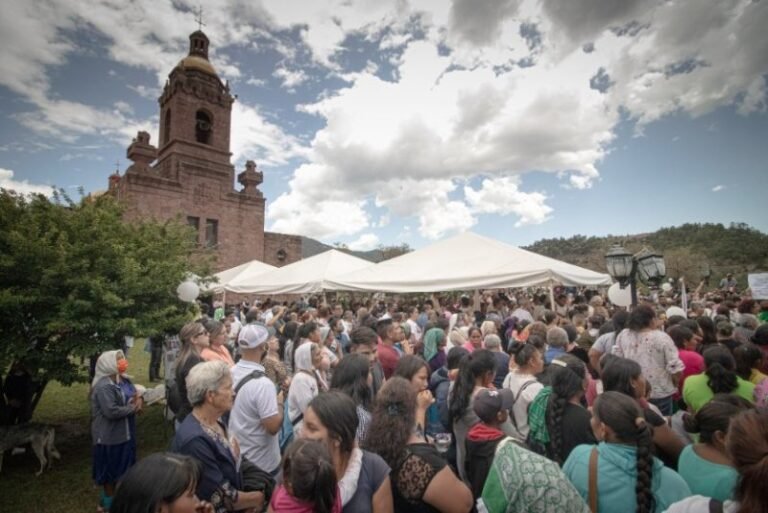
pixel 618 261
pixel 651 266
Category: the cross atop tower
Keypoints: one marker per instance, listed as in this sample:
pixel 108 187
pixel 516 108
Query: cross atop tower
pixel 199 18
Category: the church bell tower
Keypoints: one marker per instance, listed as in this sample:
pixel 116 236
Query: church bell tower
pixel 195 112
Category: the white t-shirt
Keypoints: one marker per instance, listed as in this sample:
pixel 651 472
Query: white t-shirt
pixel 303 390
pixel 515 382
pixel 255 401
pixel 415 329
pixel 522 315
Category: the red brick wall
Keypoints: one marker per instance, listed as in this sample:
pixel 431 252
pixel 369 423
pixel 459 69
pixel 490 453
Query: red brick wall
pixel 196 193
pixel 274 242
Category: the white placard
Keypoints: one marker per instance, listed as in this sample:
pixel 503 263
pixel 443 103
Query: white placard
pixel 759 285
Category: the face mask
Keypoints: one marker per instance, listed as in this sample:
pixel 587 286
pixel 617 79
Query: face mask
pixel 122 366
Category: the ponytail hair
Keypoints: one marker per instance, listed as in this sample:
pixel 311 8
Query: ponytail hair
pixel 714 416
pixel 309 471
pixel 747 445
pixel 623 415
pixel 568 375
pixel 720 369
pixel 523 353
pixel 472 366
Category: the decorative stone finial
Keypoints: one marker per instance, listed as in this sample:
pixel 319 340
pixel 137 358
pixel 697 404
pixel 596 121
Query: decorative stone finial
pixel 141 153
pixel 250 179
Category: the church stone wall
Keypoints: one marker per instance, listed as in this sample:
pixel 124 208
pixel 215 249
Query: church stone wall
pixel 289 244
pixel 240 217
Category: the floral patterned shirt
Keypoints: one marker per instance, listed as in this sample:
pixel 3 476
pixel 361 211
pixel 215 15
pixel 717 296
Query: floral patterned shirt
pixel 657 355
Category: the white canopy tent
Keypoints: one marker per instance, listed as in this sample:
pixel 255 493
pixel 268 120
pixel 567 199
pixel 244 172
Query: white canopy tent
pixel 313 274
pixel 466 262
pixel 246 271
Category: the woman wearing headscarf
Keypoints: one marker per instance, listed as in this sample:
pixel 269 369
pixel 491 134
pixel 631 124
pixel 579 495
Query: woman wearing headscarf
pixel 458 336
pixel 434 345
pixel 114 404
pixel 306 383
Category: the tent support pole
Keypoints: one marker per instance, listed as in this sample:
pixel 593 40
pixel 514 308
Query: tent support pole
pixel 551 297
pixel 224 299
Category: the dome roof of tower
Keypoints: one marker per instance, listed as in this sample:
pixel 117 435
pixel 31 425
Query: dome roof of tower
pixel 198 63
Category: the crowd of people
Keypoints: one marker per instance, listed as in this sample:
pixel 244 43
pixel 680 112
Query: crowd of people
pixel 501 402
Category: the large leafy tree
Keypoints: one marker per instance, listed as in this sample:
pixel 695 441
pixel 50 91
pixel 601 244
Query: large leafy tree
pixel 75 279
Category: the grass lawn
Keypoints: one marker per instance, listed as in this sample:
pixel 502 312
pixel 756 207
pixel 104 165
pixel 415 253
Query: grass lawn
pixel 68 486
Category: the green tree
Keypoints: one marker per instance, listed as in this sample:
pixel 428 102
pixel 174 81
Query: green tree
pixel 393 251
pixel 75 279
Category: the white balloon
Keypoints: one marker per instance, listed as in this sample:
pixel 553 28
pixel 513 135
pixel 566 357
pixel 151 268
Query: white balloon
pixel 188 291
pixel 666 287
pixel 619 296
pixel 675 310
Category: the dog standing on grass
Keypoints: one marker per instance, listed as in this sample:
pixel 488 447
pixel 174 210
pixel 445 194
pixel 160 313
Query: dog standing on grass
pixel 39 436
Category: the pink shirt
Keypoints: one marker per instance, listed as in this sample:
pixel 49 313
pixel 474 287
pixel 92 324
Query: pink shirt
pixel 217 353
pixel 694 364
pixel 283 502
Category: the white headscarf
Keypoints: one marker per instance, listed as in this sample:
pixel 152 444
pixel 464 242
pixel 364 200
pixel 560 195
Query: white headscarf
pixel 303 357
pixel 106 365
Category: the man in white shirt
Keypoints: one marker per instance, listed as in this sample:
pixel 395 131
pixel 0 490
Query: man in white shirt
pixel 234 327
pixel 415 328
pixel 523 311
pixel 257 413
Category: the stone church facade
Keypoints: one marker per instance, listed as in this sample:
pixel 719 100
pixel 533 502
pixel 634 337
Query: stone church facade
pixel 189 173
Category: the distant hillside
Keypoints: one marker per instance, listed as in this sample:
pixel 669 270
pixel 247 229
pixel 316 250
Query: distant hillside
pixel 312 247
pixel 690 250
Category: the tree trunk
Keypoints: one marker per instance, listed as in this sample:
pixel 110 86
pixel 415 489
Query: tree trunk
pixel 36 396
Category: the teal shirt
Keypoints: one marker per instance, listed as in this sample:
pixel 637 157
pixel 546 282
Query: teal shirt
pixel 707 478
pixel 617 476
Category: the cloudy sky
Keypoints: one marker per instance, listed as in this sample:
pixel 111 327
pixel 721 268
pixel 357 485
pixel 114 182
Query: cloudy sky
pixel 389 121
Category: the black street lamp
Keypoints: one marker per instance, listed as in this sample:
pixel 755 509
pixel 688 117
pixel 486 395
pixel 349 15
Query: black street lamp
pixel 626 268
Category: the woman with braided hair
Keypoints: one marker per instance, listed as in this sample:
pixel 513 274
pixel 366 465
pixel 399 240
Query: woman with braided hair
pixel 626 473
pixel 557 420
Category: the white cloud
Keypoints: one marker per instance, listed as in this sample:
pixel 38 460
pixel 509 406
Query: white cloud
pixel 439 218
pixel 502 196
pixel 290 78
pixel 22 186
pixel 79 156
pixel 718 188
pixel 255 138
pixel 365 242
pixel 321 219
pixel 150 93
pixel 124 107
pixel 480 23
pixel 438 124
pixel 258 82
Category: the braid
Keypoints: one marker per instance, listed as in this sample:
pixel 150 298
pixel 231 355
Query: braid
pixel 555 427
pixel 645 499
